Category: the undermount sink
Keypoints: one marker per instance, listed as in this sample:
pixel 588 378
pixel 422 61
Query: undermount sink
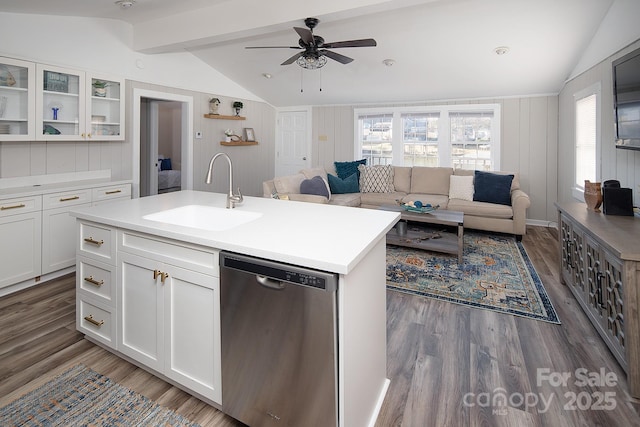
pixel 204 217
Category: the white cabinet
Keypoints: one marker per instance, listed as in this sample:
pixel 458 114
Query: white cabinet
pixel 168 309
pixel 17 100
pixel 69 108
pixel 20 223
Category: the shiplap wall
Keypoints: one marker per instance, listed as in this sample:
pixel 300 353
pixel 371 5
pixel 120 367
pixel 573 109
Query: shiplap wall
pixel 529 129
pixel 623 165
pixel 252 164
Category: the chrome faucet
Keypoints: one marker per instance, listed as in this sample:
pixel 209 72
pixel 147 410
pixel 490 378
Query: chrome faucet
pixel 232 199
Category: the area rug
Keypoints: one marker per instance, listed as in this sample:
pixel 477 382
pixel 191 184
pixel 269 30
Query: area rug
pixel 496 274
pixel 82 397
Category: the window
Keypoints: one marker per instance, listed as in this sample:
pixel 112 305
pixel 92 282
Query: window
pixel 587 117
pixel 458 136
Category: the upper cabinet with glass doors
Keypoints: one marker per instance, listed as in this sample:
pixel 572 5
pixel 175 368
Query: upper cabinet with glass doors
pixel 17 100
pixel 74 105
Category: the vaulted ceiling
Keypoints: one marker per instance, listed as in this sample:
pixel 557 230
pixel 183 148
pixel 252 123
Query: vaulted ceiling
pixel 442 49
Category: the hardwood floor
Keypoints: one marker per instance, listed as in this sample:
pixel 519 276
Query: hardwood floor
pixel 447 363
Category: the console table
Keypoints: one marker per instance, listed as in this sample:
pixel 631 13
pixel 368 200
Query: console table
pixel 600 263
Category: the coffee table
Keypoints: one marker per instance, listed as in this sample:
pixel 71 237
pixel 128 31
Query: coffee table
pixel 440 241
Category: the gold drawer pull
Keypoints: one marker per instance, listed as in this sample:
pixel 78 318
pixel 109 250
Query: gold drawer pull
pixel 113 192
pixel 163 277
pixel 90 319
pixel 93 281
pixel 4 208
pixel 94 242
pixel 66 199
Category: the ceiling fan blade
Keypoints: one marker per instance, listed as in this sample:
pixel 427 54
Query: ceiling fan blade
pixel 292 59
pixel 273 47
pixel 351 43
pixel 335 56
pixel 306 35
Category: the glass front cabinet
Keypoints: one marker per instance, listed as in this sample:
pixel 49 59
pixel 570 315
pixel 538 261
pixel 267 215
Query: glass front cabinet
pixel 17 100
pixel 74 105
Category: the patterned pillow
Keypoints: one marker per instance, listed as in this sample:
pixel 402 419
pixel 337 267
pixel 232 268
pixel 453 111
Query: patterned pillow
pixel 461 187
pixel 376 179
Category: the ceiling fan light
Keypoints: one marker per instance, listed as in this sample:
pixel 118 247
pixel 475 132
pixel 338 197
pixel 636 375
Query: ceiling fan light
pixel 311 62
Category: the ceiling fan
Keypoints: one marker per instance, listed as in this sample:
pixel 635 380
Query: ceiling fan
pixel 314 49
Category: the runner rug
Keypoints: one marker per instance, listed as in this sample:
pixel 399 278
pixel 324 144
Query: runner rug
pixel 496 274
pixel 82 397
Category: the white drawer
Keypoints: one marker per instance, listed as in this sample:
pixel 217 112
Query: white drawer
pixel 66 198
pixel 20 205
pixel 112 192
pixel 97 242
pixel 96 279
pixel 96 320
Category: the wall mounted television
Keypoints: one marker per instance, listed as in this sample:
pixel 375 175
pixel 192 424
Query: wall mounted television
pixel 626 100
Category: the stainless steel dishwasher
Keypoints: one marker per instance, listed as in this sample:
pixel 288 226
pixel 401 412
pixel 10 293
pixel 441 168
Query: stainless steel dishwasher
pixel 279 364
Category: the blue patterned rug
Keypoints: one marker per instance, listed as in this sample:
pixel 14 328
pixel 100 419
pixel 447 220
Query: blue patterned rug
pixel 496 274
pixel 82 397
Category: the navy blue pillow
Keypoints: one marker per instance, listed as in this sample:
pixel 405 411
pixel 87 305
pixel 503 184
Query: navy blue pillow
pixel 315 186
pixel 165 165
pixel 492 188
pixel 346 169
pixel 343 186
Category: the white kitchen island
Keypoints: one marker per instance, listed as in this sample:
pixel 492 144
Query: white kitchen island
pixel 178 266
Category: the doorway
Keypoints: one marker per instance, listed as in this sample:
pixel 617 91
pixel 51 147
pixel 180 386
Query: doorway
pixel 162 142
pixel 293 141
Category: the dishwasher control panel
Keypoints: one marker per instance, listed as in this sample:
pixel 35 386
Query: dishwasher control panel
pixel 278 271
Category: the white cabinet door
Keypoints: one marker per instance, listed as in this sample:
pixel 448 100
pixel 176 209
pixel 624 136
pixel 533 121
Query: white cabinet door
pixel 192 331
pixel 19 247
pixel 17 100
pixel 140 310
pixel 105 114
pixel 58 239
pixel 61 111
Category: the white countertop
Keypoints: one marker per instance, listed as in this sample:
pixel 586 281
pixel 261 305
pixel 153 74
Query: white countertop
pixel 325 237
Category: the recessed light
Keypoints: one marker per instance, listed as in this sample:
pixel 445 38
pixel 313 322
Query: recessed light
pixel 388 62
pixel 266 75
pixel 125 4
pixel 501 50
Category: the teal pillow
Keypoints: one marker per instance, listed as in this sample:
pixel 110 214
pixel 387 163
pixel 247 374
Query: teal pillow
pixel 492 188
pixel 346 169
pixel 343 186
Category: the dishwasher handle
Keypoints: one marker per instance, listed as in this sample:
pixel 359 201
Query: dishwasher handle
pixel 277 285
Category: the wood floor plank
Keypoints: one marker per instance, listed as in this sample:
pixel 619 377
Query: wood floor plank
pixel 437 352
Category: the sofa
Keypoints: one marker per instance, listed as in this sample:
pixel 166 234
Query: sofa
pixel 491 201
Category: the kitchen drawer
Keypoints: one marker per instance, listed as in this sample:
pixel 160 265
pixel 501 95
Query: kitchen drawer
pixel 96 320
pixel 112 192
pixel 66 198
pixel 20 205
pixel 96 279
pixel 180 254
pixel 97 242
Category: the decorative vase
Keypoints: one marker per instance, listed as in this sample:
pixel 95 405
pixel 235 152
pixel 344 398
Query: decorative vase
pixel 593 195
pixel 227 139
pixel 237 111
pixel 213 108
pixel 100 91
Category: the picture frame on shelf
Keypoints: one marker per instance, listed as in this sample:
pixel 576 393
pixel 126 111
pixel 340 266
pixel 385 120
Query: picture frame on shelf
pixel 249 135
pixel 56 82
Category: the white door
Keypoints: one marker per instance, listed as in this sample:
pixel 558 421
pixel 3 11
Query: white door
pixel 293 142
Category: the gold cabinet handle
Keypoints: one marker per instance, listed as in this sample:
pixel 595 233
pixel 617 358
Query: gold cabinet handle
pixel 93 321
pixel 156 273
pixel 113 192
pixel 4 208
pixel 66 199
pixel 93 281
pixel 94 242
pixel 163 277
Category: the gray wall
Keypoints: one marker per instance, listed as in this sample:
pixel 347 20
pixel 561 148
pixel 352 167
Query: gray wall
pixel 529 129
pixel 623 165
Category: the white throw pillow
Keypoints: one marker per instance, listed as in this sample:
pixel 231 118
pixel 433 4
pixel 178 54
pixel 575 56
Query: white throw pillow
pixel 376 179
pixel 461 187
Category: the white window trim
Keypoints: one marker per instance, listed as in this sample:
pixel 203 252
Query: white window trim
pixel 444 141
pixel 596 89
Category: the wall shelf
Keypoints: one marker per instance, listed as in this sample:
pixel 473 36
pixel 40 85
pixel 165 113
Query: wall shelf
pixel 238 143
pixel 221 117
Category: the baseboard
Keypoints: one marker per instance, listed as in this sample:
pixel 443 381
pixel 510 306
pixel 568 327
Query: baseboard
pixel 36 281
pixel 542 223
